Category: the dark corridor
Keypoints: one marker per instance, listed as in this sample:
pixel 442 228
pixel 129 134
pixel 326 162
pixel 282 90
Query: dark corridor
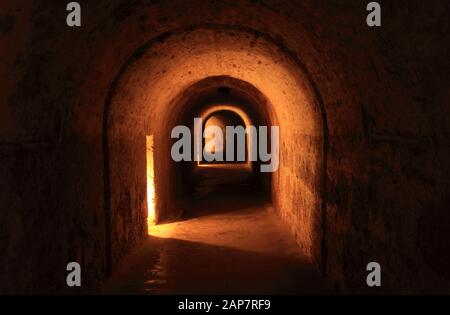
pixel 337 181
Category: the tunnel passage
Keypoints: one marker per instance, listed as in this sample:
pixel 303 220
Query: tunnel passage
pixel 246 109
pixel 379 92
pixel 156 91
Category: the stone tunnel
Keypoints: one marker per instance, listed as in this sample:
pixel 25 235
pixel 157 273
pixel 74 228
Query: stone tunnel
pixel 86 115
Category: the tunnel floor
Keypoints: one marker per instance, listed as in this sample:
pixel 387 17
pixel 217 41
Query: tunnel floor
pixel 230 242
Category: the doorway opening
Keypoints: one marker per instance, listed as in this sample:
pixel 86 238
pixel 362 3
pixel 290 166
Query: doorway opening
pixel 151 196
pixel 220 143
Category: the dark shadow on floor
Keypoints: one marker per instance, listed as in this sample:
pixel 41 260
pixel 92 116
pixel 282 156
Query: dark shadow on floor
pixel 221 189
pixel 230 242
pixel 169 266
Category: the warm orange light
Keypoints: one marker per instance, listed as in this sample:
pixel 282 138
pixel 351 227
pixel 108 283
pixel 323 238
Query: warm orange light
pixel 163 230
pixel 150 184
pixel 212 143
pixel 232 108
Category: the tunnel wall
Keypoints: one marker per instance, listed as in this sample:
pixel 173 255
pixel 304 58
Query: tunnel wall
pixel 386 105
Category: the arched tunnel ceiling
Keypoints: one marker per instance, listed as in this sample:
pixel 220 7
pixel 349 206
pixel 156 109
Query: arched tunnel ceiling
pixel 250 32
pixel 167 69
pixel 223 90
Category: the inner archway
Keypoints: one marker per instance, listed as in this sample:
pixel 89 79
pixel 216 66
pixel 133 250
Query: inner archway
pixel 231 103
pixel 214 144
